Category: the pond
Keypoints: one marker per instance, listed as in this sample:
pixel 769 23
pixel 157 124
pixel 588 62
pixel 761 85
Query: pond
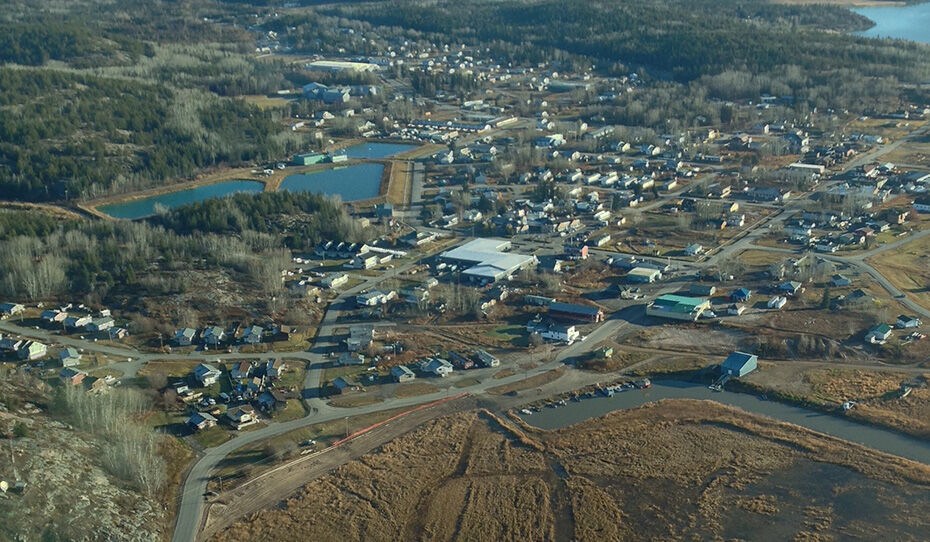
pixel 903 22
pixel 873 437
pixel 351 183
pixel 377 150
pixel 142 207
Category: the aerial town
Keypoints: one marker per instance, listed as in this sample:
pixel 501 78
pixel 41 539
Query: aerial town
pixel 446 239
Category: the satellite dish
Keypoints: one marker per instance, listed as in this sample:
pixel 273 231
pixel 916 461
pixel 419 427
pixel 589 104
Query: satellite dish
pixel 4 485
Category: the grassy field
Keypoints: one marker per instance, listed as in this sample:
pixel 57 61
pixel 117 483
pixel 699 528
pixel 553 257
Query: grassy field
pixel 352 400
pixel 266 102
pixel 674 470
pixel 761 258
pixel 251 458
pixel 510 334
pixel 877 393
pixel 214 436
pixel 908 268
pixel 414 389
pixel 397 187
pixel 532 382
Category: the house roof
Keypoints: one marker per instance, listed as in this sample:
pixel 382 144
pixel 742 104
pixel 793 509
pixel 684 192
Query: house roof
pixel 199 417
pixel 585 310
pixel 880 329
pixel 679 303
pixel 205 368
pixel 401 370
pixel 737 360
pixel 68 353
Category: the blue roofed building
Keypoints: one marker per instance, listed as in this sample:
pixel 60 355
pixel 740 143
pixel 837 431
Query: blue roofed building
pixel 739 364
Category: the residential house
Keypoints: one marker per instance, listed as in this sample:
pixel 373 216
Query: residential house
pixel 214 335
pixel 878 334
pixel 334 281
pixel 401 373
pixel 922 205
pixel 102 323
pixel 69 357
pixel 71 376
pixel 790 287
pixel 274 368
pixel 360 338
pixel 438 367
pixel 53 316
pixel 365 260
pixel 95 384
pixel 838 281
pixel 566 334
pixel 272 400
pixel 342 385
pixel 374 298
pixel 351 358
pixel 185 336
pixel 31 350
pixel 206 374
pixel 694 249
pixel 11 309
pixel 486 359
pixel 241 371
pixel 241 415
pixel 253 335
pixel 739 364
pixel 908 322
pixel 77 321
pixel 201 420
pixel 741 295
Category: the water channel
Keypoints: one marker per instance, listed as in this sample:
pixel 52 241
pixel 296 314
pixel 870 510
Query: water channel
pixel 873 437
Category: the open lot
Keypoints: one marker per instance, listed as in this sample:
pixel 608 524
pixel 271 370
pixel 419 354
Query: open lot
pixel 677 469
pixel 908 268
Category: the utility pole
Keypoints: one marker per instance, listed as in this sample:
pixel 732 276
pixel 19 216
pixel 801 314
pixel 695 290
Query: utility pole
pixel 347 427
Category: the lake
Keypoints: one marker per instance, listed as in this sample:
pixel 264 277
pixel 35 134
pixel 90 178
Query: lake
pixel 377 150
pixel 139 208
pixel 351 183
pixel 904 22
pixel 873 437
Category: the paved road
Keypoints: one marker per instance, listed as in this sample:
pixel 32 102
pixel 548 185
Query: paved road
pixel 192 496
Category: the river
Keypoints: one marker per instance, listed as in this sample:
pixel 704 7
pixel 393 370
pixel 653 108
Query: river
pixel 904 22
pixel 837 426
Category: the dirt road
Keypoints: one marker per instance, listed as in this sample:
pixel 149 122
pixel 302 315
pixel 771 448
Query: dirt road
pixel 273 486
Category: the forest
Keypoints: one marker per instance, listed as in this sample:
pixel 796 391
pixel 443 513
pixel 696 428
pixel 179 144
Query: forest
pixel 86 136
pixel 681 39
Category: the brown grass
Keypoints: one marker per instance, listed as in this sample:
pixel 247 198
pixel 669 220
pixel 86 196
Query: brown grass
pixel 672 470
pixel 414 389
pixel 908 268
pixel 532 382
